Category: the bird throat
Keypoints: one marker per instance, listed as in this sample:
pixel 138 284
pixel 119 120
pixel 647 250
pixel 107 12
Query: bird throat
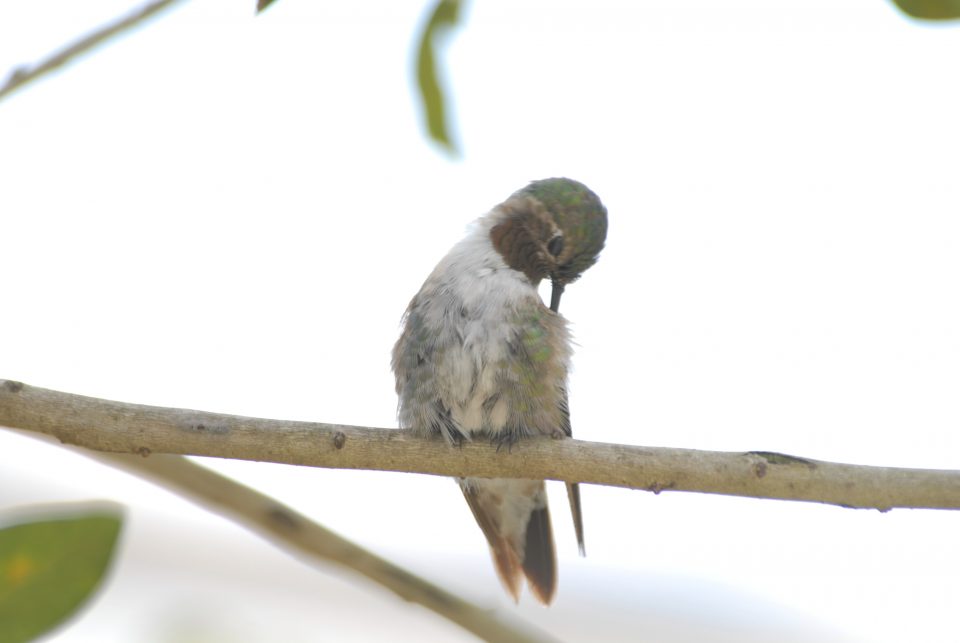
pixel 520 237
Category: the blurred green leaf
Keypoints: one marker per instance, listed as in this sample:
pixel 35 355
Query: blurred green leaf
pixel 263 4
pixel 49 568
pixel 930 9
pixel 446 14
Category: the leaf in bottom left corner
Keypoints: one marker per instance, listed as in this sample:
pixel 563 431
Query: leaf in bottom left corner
pixel 50 567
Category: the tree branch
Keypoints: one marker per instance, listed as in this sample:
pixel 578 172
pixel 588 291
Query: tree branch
pixel 24 74
pixel 118 427
pixel 295 531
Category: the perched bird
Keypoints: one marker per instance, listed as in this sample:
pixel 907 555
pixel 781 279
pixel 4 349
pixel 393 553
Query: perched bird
pixel 481 357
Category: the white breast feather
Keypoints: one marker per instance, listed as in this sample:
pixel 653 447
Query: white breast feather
pixel 473 275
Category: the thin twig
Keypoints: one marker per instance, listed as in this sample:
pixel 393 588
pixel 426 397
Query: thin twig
pixel 25 74
pixel 293 531
pixel 118 427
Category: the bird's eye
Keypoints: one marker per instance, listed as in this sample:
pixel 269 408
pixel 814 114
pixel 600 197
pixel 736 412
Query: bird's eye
pixel 555 245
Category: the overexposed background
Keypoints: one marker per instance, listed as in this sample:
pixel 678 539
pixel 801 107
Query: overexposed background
pixel 231 214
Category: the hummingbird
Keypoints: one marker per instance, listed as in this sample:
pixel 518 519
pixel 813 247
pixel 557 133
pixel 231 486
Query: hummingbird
pixel 481 356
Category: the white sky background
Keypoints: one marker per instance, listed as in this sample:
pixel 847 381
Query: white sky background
pixel 231 214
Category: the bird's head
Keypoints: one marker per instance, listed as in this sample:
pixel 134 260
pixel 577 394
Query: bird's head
pixel 552 228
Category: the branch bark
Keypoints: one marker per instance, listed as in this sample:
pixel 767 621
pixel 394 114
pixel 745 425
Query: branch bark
pixel 119 427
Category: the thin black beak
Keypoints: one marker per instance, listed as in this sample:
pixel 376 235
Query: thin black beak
pixel 555 296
